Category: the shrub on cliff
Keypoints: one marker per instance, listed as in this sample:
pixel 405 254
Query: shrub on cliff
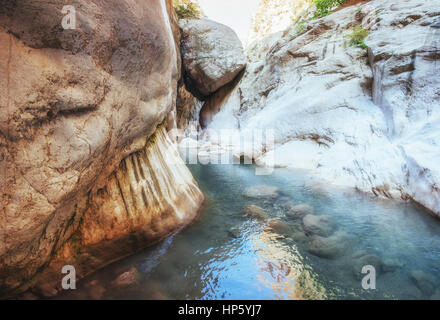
pixel 324 7
pixel 358 36
pixel 186 9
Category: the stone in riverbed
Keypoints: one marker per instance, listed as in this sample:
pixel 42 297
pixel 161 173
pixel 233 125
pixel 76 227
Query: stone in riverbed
pixel 319 225
pixel 423 282
pixel 362 259
pixel 256 212
pixel 330 247
pixel 278 226
pixel 127 279
pixel 264 192
pixel 297 211
pixel 234 232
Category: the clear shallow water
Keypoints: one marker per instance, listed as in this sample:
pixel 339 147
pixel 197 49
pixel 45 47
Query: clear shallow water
pixel 226 255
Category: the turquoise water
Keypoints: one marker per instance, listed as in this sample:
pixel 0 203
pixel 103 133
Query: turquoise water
pixel 227 255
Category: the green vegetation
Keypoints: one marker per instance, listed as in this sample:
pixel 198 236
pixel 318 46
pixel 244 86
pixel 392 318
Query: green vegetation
pixel 358 36
pixel 300 26
pixel 186 9
pixel 324 7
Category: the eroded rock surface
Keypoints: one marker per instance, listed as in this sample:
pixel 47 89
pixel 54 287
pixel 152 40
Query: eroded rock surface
pixel 365 118
pixel 75 103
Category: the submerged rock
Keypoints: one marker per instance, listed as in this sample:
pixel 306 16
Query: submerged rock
pixel 212 55
pixel 423 282
pixel 362 259
pixel 127 279
pixel 256 212
pixel 297 211
pixel 264 192
pixel 330 247
pixel 319 225
pixel 278 226
pixel 234 232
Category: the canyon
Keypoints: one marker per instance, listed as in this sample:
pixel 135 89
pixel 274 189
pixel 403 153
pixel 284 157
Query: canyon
pixel 364 117
pixel 91 173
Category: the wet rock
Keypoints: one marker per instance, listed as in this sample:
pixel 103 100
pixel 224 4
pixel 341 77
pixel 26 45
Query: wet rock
pixel 299 236
pixel 256 212
pixel 262 192
pixel 297 211
pixel 127 279
pixel 278 226
pixel 330 247
pixel 362 259
pixel 212 55
pixel 423 282
pixel 319 225
pixel 234 232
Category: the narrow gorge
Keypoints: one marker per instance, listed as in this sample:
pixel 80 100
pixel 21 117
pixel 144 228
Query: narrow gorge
pixel 161 156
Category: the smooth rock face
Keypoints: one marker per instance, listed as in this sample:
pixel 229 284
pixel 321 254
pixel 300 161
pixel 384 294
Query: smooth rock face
pixel 74 104
pixel 149 196
pixel 212 54
pixel 368 119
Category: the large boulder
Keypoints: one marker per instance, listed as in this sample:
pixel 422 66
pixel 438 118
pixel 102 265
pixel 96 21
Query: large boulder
pixel 212 55
pixel 78 109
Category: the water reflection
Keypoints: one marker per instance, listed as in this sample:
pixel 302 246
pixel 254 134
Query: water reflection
pixel 227 255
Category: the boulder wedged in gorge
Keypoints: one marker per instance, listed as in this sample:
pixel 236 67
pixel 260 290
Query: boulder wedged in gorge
pixel 364 118
pixel 212 55
pixel 75 103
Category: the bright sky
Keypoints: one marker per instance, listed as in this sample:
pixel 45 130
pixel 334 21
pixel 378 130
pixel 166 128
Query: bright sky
pixel 236 14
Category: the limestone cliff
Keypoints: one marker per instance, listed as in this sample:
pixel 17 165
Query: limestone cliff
pixel 78 108
pixel 352 111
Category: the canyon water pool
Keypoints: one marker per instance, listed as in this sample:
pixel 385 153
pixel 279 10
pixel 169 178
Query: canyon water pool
pixel 226 254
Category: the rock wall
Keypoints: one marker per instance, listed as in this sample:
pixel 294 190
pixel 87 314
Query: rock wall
pixel 361 117
pixel 75 103
pixel 150 195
